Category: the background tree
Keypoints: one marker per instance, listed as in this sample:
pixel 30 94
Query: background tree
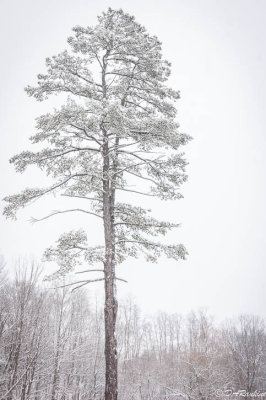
pixel 245 341
pixel 52 344
pixel 117 124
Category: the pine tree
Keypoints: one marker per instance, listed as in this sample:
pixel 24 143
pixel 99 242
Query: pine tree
pixel 117 124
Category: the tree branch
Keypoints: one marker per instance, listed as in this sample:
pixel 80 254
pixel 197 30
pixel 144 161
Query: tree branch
pixel 90 270
pixel 120 279
pixel 33 220
pixel 80 197
pixel 83 283
pixel 135 191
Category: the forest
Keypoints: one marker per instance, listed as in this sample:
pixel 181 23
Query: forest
pixel 52 347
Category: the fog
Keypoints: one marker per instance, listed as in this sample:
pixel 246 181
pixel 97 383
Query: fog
pixel 217 51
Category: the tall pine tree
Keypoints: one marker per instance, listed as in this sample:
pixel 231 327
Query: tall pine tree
pixel 117 124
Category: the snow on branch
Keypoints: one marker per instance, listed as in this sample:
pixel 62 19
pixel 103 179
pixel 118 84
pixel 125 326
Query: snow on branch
pixel 72 250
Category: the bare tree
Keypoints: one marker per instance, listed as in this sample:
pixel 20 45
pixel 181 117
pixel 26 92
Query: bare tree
pixel 199 371
pixel 52 346
pixel 117 127
pixel 22 333
pixel 246 348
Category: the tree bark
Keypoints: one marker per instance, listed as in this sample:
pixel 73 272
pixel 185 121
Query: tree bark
pixel 110 312
pixel 110 309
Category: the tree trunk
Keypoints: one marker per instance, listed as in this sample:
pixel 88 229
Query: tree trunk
pixel 57 352
pixel 110 309
pixel 110 312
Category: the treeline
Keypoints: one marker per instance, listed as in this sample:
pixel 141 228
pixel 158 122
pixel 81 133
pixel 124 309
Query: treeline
pixel 51 348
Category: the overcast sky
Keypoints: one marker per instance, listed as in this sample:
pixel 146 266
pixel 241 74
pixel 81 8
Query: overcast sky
pixel 217 50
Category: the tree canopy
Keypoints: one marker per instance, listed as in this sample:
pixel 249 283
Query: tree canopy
pixel 131 103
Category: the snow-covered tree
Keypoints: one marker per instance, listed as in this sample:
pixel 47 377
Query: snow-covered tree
pixel 52 347
pixel 117 124
pixel 246 346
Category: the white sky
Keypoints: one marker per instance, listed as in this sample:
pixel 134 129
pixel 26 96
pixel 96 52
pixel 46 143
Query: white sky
pixel 217 50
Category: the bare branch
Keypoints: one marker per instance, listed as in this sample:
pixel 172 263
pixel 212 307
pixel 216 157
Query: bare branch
pixel 135 191
pixel 80 197
pixel 75 283
pixel 120 279
pixel 33 220
pixel 142 177
pixel 90 270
